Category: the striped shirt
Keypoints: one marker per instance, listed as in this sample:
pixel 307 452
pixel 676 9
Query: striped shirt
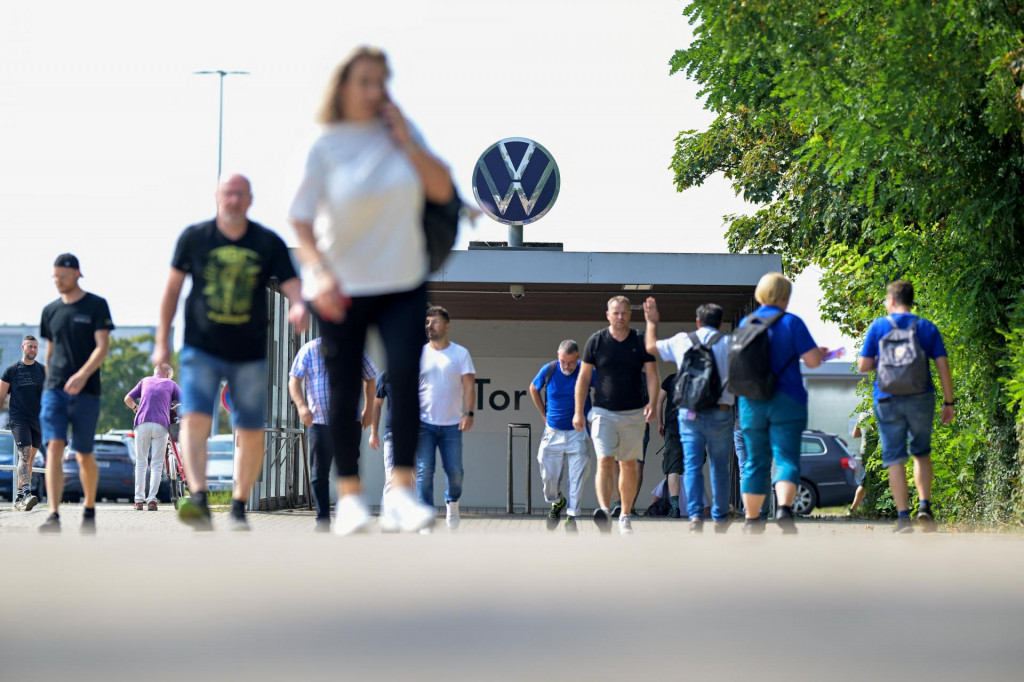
pixel 309 366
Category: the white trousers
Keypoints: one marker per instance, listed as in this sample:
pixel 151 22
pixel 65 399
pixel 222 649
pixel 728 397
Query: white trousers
pixel 150 444
pixel 560 450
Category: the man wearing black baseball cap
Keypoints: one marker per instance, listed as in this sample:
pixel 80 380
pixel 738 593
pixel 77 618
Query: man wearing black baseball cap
pixel 77 326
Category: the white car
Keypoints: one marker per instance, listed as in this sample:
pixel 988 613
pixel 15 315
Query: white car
pixel 220 463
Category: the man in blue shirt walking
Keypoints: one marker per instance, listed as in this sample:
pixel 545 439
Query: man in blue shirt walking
pixel 908 415
pixel 553 391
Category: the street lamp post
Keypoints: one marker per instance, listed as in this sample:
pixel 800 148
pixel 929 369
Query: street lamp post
pixel 220 118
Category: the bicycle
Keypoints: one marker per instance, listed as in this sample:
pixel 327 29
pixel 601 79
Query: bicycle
pixel 175 471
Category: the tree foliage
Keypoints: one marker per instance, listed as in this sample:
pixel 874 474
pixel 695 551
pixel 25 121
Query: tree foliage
pixel 882 139
pixel 126 364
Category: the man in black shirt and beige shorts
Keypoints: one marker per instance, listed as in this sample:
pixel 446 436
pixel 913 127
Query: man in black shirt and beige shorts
pixel 620 409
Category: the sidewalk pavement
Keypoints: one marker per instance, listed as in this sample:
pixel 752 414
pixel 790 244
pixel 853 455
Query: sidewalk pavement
pixel 504 599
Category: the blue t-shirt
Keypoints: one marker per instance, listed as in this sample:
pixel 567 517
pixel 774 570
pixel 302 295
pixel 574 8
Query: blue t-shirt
pixel 927 335
pixel 789 340
pixel 561 396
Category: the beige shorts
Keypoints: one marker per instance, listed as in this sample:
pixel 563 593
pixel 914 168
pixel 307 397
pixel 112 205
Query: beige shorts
pixel 618 434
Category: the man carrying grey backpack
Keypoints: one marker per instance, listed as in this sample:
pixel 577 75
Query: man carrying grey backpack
pixel 898 347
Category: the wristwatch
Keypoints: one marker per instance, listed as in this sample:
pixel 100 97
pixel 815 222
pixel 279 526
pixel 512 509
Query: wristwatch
pixel 468 414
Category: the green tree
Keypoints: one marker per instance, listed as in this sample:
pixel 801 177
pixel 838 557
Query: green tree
pixel 125 365
pixel 880 140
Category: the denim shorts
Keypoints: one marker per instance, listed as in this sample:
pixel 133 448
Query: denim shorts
pixel 201 374
pixel 59 409
pixel 902 418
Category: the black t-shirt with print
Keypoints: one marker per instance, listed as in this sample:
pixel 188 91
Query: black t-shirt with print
pixel 226 311
pixel 71 328
pixel 26 389
pixel 619 366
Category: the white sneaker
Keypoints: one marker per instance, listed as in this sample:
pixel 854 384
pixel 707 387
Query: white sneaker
pixel 625 525
pixel 351 515
pixel 400 509
pixel 452 519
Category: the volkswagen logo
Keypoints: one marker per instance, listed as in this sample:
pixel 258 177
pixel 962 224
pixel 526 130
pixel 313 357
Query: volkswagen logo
pixel 516 181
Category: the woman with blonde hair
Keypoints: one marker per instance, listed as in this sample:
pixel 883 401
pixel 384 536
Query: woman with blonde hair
pixel 365 263
pixel 772 427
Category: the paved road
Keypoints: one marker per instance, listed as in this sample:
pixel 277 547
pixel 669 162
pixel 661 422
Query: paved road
pixel 503 599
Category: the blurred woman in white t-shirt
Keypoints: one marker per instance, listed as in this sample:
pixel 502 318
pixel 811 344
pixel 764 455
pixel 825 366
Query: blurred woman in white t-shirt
pixel 358 215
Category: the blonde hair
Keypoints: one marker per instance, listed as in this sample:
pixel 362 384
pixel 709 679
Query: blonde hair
pixel 330 106
pixel 773 289
pixel 618 299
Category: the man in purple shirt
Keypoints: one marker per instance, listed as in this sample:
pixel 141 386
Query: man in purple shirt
pixel 151 400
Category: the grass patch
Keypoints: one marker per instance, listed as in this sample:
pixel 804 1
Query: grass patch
pixel 220 497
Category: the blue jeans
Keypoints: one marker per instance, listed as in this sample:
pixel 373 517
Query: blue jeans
pixel 772 430
pixel 709 432
pixel 447 439
pixel 201 373
pixel 903 416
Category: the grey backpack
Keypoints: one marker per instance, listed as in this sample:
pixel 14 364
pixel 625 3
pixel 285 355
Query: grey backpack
pixel 902 363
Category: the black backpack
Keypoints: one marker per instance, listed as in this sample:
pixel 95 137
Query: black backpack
pixel 902 363
pixel 749 371
pixel 698 385
pixel 441 226
pixel 552 366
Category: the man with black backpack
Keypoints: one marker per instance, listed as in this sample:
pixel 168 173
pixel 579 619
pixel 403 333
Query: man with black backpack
pixel 898 347
pixel 705 408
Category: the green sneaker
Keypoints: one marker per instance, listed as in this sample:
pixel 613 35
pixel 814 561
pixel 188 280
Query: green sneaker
pixel 556 512
pixel 194 514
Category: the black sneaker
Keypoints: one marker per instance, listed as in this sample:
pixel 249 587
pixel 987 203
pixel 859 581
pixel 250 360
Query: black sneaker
pixel 570 525
pixel 754 526
pixel 194 514
pixel 722 527
pixel 51 524
pixel 696 526
pixel 926 521
pixel 88 525
pixel 29 502
pixel 903 525
pixel 616 511
pixel 674 513
pixel 604 524
pixel 556 513
pixel 784 519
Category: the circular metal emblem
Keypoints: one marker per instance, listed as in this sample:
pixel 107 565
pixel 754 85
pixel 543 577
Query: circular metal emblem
pixel 516 181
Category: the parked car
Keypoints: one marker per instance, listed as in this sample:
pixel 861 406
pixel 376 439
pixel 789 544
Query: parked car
pixel 115 459
pixel 220 463
pixel 827 472
pixel 7 476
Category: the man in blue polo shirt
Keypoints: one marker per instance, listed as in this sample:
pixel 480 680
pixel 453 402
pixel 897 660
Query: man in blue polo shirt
pixel 909 414
pixel 553 391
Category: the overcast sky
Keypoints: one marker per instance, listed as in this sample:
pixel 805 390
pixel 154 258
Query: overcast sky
pixel 108 142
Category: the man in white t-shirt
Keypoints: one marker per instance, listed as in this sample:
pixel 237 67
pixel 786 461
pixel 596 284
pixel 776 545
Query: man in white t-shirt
pixel 447 394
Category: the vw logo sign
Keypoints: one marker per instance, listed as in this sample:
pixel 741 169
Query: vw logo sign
pixel 516 181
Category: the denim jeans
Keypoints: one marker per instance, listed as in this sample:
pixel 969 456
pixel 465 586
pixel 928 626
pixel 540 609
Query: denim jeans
pixel 903 416
pixel 447 439
pixel 708 434
pixel 772 430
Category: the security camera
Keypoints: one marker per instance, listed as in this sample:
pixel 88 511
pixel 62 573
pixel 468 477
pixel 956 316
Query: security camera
pixel 518 291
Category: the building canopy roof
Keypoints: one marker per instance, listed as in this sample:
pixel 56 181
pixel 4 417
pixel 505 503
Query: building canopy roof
pixel 576 286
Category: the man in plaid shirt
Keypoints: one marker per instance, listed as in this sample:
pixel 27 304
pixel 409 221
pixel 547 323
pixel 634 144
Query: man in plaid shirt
pixel 309 367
